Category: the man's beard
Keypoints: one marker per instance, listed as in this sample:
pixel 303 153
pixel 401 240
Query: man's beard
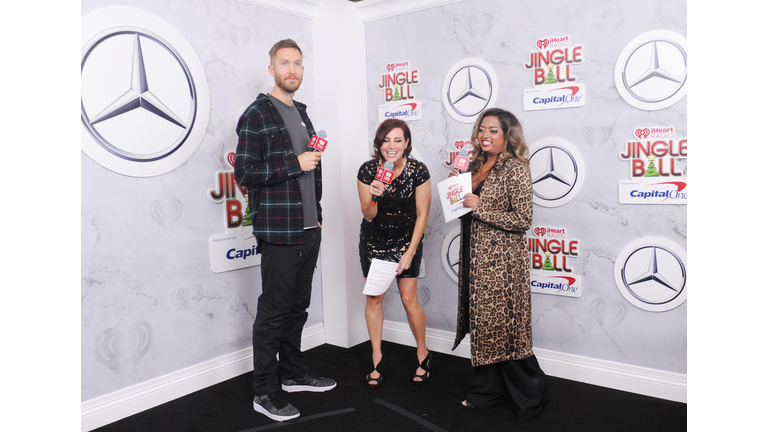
pixel 283 86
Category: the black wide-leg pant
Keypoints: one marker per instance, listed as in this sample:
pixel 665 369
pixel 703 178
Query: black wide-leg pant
pixel 286 280
pixel 523 380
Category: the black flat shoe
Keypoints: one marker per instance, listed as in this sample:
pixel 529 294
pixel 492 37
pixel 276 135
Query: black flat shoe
pixel 378 369
pixel 426 364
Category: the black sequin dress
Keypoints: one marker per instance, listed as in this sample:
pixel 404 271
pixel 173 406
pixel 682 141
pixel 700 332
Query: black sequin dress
pixel 388 235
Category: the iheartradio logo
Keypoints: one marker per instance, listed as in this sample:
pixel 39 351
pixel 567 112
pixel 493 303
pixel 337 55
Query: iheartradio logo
pixel 555 42
pixel 549 232
pixel 642 133
pixel 231 159
pixel 463 145
pixel 655 132
pixel 395 67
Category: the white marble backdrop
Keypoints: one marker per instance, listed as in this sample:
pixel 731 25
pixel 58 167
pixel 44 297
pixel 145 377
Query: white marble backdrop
pixel 503 34
pixel 145 257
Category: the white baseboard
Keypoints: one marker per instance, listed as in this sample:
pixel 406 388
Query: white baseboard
pixel 109 408
pixel 634 379
pixel 120 404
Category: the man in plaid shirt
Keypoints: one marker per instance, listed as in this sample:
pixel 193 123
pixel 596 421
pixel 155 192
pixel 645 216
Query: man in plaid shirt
pixel 284 189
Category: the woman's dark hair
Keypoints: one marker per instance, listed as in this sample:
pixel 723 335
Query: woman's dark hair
pixel 385 128
pixel 513 133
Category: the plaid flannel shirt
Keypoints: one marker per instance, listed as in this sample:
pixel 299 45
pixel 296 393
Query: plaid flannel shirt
pixel 266 165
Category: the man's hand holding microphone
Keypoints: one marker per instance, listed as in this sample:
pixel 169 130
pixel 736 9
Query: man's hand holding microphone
pixel 309 159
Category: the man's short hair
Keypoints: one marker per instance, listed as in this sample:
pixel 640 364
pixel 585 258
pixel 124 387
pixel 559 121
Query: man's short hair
pixel 285 43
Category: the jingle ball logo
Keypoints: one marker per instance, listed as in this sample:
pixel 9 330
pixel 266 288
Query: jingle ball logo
pixel 554 84
pixel 657 163
pixel 550 249
pixel 236 247
pixel 554 65
pixel 400 101
pixel 651 274
pixel 232 194
pixel 551 272
pixel 397 82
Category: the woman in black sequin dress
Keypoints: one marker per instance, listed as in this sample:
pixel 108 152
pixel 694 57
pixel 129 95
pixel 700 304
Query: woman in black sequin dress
pixel 392 230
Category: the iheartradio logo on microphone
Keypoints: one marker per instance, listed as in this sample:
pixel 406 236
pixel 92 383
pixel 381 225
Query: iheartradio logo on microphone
pixel 318 142
pixel 384 175
pixel 455 149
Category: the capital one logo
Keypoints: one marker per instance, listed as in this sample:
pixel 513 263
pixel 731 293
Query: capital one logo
pixel 557 172
pixel 651 274
pixel 651 72
pixel 144 94
pixel 469 87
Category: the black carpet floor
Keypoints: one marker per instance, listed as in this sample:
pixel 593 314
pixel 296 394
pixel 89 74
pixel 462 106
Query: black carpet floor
pixel 400 406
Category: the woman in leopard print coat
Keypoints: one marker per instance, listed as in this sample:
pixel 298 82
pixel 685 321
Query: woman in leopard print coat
pixel 494 279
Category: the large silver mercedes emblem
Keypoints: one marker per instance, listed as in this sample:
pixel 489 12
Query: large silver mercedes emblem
pixel 144 95
pixel 652 71
pixel 651 274
pixel 556 172
pixel 125 141
pixel 470 87
pixel 450 253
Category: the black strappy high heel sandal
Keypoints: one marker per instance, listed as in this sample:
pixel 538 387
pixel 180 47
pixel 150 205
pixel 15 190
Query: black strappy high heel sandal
pixel 378 369
pixel 426 364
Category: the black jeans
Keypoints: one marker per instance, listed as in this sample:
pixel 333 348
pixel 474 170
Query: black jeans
pixel 286 281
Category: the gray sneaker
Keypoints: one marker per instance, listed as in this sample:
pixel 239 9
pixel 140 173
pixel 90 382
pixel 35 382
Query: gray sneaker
pixel 308 383
pixel 275 407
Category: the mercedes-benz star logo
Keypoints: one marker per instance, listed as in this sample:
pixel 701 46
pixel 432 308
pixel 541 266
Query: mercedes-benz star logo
pixel 555 172
pixel 138 95
pixel 562 179
pixel 469 88
pixel 652 70
pixel 661 288
pixel 450 253
pixel 465 75
pixel 651 274
pixel 144 95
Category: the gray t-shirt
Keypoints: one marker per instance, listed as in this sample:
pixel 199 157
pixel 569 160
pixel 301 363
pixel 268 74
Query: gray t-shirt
pixel 297 130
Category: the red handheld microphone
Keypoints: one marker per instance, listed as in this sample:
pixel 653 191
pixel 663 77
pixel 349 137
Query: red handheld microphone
pixel 385 175
pixel 319 141
pixel 462 161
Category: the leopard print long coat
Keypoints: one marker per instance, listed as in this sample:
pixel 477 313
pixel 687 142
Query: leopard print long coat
pixel 498 315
